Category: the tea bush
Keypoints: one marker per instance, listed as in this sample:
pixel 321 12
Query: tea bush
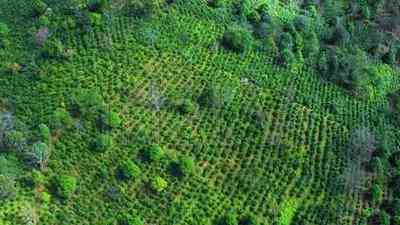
pixel 237 39
pixel 65 186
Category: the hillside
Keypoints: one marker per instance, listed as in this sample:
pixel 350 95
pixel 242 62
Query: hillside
pixel 200 112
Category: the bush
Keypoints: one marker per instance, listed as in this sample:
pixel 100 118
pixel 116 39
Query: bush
pixel 209 98
pixel 110 120
pixel 132 220
pixel 39 7
pixel 14 140
pixel 96 19
pixel 286 41
pixel 158 184
pixel 383 218
pixel 53 49
pixel 237 39
pixel 44 133
pixel 286 57
pixel 155 153
pixel 66 186
pixel 7 188
pixel 103 143
pixel 128 170
pixel 216 3
pixel 249 219
pixel 271 47
pixel 141 8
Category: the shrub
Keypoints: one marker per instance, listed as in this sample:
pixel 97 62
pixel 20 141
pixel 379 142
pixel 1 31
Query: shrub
pixel 128 170
pixel 300 23
pixel 7 188
pixel 103 143
pixel 158 184
pixel 184 166
pixel 39 7
pixel 44 133
pixel 66 186
pixel 286 57
pixel 237 39
pixel 210 98
pixel 96 19
pixel 97 5
pixel 110 120
pixel 311 46
pixel 39 155
pixel 14 140
pixel 286 41
pixel 271 47
pixel 155 153
pixel 141 8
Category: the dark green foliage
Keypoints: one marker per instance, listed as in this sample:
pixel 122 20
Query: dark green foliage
pixel 132 220
pixel 237 39
pixel 141 8
pixel 7 188
pixel 53 49
pixel 14 140
pixel 249 219
pixel 4 30
pixel 311 46
pixel 270 47
pixel 339 35
pixel 154 153
pixel 286 41
pixel 286 57
pixel 383 218
pixel 300 23
pixel 159 184
pixel 44 133
pixel 39 7
pixel 128 170
pixel 216 3
pixel 86 102
pixel 103 143
pixel 97 5
pixel 66 186
pixel 209 98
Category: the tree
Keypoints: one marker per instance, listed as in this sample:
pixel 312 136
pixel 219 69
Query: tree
pixel 184 166
pixel 237 39
pixel 4 30
pixel 128 170
pixel 110 120
pixel 38 7
pixel 61 119
pixel 97 5
pixel 158 184
pixel 133 220
pixel 66 186
pixel 7 188
pixel 249 219
pixel 230 218
pixel 103 143
pixel 39 155
pixel 376 193
pixel 155 153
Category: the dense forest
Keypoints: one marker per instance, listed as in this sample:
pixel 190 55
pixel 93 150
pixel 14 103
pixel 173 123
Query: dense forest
pixel 199 112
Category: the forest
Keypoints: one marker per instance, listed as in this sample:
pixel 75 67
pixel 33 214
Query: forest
pixel 199 112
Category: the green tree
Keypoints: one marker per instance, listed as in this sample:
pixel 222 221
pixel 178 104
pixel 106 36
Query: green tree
pixel 110 120
pixel 237 39
pixel 61 119
pixel 103 143
pixel 39 155
pixel 7 188
pixel 230 218
pixel 155 153
pixel 38 7
pixel 184 166
pixel 159 184
pixel 376 193
pixel 97 5
pixel 66 186
pixel 128 170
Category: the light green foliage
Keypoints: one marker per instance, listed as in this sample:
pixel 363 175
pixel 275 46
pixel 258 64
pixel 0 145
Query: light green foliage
pixel 159 184
pixel 4 30
pixel 44 133
pixel 287 211
pixel 66 186
pixel 231 218
pixel 110 120
pixel 61 119
pixel 39 155
pixel 134 220
pixel 95 19
pixel 376 193
pixel 184 166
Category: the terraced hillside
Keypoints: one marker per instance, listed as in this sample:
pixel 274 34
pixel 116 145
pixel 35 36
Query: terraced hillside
pixel 267 141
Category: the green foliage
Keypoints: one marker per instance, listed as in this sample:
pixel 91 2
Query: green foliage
pixel 39 155
pixel 237 39
pixel 97 5
pixel 216 3
pixel 286 41
pixel 184 166
pixel 87 101
pixel 209 98
pixel 53 49
pixel 14 140
pixel 231 218
pixel 128 170
pixel 103 143
pixel 4 30
pixel 44 133
pixel 61 119
pixel 132 220
pixel 110 120
pixel 66 186
pixel 249 219
pixel 39 7
pixel 186 107
pixel 158 184
pixel 38 178
pixel 286 57
pixel 383 218
pixel 376 193
pixel 154 153
pixel 142 8
pixel 96 19
pixel 8 190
